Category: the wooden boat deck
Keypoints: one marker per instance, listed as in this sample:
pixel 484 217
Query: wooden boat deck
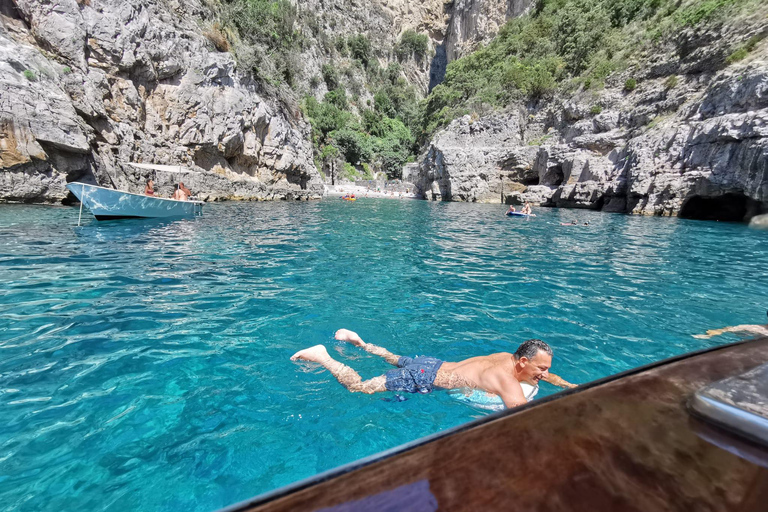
pixel 625 443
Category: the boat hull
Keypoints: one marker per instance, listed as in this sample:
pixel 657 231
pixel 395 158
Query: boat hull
pixel 109 204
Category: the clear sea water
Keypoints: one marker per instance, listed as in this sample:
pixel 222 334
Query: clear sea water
pixel 145 364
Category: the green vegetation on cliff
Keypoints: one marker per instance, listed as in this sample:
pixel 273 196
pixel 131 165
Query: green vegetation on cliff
pixel 267 37
pixel 565 43
pixel 378 139
pixel 412 44
pixel 353 136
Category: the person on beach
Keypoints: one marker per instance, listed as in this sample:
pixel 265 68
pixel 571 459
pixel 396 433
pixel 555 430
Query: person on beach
pixel 498 374
pixel 149 189
pixel 761 330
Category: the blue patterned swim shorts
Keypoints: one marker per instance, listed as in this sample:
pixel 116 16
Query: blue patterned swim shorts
pixel 413 375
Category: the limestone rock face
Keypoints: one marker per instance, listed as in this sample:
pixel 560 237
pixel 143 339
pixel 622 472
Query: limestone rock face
pixel 477 161
pixel 383 22
pixel 454 29
pixel 476 22
pixel 86 87
pixel 689 147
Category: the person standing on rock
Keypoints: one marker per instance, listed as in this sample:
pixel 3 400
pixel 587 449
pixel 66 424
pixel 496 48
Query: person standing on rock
pixel 499 374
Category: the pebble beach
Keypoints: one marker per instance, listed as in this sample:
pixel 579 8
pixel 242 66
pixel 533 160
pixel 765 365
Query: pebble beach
pixel 362 192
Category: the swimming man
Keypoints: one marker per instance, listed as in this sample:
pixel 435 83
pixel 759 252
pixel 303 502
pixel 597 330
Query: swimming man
pixel 499 374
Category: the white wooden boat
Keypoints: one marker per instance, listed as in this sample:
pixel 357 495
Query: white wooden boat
pixel 106 203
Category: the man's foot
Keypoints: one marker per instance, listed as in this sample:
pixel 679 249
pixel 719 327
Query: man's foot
pixel 350 337
pixel 316 354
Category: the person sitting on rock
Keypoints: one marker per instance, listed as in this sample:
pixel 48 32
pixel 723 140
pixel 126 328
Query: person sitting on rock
pixel 498 374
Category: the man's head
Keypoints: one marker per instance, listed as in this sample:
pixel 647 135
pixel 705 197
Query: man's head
pixel 533 359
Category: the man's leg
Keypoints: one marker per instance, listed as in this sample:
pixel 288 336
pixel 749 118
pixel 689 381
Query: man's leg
pixel 348 377
pixel 353 338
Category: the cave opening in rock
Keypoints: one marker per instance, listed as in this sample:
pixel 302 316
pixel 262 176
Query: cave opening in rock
pixel 530 181
pixel 598 205
pixel 728 207
pixel 554 176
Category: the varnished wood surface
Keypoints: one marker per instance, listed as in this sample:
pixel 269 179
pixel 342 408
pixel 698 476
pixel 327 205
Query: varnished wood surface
pixel 625 444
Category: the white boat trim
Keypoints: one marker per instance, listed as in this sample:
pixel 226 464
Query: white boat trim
pixel 164 168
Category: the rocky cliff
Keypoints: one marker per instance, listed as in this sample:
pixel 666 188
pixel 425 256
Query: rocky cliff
pixel 691 139
pixel 474 22
pixel 455 28
pixel 86 86
pixel 382 21
pixel 469 24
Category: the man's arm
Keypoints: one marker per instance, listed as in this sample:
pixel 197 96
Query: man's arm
pixel 508 389
pixel 559 381
pixel 754 329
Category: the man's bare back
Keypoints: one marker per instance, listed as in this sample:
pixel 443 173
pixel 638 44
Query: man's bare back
pixel 499 374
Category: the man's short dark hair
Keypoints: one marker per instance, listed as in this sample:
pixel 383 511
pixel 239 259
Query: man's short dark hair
pixel 530 348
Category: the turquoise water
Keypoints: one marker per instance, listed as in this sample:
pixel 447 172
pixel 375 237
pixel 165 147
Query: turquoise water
pixel 144 364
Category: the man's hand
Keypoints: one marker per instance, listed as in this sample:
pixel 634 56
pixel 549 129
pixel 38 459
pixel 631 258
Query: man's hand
pixel 559 381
